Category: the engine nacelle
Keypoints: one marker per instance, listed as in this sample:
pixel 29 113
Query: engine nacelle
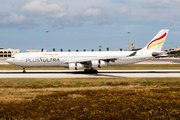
pixel 75 66
pixel 98 63
pixel 154 54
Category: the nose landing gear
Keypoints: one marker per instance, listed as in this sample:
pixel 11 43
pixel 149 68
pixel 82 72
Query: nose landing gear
pixel 24 71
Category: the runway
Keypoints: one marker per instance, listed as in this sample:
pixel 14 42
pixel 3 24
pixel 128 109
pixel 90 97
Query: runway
pixel 81 74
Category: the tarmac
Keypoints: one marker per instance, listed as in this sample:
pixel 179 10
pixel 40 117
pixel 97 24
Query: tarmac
pixel 3 61
pixel 81 74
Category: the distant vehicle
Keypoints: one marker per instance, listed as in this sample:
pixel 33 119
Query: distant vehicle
pixel 90 60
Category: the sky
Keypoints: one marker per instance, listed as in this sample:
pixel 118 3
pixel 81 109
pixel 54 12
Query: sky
pixel 87 24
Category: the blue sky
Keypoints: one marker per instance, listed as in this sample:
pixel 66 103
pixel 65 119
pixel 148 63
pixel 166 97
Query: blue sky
pixel 84 24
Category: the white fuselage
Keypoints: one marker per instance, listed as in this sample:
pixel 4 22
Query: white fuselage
pixel 44 59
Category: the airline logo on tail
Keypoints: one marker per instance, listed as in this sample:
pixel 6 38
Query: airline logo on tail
pixel 153 42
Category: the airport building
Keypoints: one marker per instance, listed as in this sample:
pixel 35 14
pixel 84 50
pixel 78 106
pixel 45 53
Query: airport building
pixel 8 52
pixel 175 49
pixel 35 50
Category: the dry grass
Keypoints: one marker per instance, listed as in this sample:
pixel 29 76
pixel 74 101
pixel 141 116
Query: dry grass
pixel 111 104
pixel 20 89
pixel 90 98
pixel 21 94
pixel 82 82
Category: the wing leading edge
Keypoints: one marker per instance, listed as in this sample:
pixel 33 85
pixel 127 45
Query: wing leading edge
pixel 89 60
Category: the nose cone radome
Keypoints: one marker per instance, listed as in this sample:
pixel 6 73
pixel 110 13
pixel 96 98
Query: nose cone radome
pixel 9 60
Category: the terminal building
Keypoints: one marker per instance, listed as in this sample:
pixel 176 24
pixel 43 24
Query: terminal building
pixel 35 51
pixel 8 52
pixel 175 49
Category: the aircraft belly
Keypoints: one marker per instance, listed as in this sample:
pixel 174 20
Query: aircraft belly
pixel 49 64
pixel 25 64
pixel 37 64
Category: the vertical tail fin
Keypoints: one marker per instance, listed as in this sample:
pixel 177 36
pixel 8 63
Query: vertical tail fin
pixel 157 42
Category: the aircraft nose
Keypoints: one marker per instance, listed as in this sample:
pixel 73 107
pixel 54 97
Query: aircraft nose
pixel 9 60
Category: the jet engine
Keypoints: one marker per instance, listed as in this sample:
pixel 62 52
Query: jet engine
pixel 98 63
pixel 154 54
pixel 75 66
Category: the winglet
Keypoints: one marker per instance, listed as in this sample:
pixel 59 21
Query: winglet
pixel 158 41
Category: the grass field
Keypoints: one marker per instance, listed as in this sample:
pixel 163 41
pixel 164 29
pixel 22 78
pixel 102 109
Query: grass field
pixel 90 98
pixel 123 67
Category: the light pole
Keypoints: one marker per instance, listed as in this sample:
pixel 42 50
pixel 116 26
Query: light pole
pixel 128 39
pixel 47 40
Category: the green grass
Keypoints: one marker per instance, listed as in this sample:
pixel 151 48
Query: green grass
pixel 123 67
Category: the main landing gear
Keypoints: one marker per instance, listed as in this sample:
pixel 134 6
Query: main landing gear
pixel 24 71
pixel 91 71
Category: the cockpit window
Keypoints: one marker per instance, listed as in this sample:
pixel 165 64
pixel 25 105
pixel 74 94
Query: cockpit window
pixel 12 57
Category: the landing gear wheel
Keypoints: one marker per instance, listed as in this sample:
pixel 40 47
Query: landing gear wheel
pixel 95 71
pixel 86 70
pixel 91 71
pixel 24 71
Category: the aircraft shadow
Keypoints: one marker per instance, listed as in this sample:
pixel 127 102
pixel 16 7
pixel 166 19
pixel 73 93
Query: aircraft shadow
pixel 101 73
pixel 82 72
pixel 75 72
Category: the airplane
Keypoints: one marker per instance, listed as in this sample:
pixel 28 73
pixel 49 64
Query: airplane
pixel 90 60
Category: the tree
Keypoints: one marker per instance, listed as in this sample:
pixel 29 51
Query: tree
pixel 92 50
pixel 107 48
pixel 54 49
pixel 69 50
pixel 175 53
pixel 77 50
pixel 84 50
pixel 100 47
pixel 61 49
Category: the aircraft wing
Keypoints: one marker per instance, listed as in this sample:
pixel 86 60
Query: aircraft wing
pixel 88 60
pixel 104 58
